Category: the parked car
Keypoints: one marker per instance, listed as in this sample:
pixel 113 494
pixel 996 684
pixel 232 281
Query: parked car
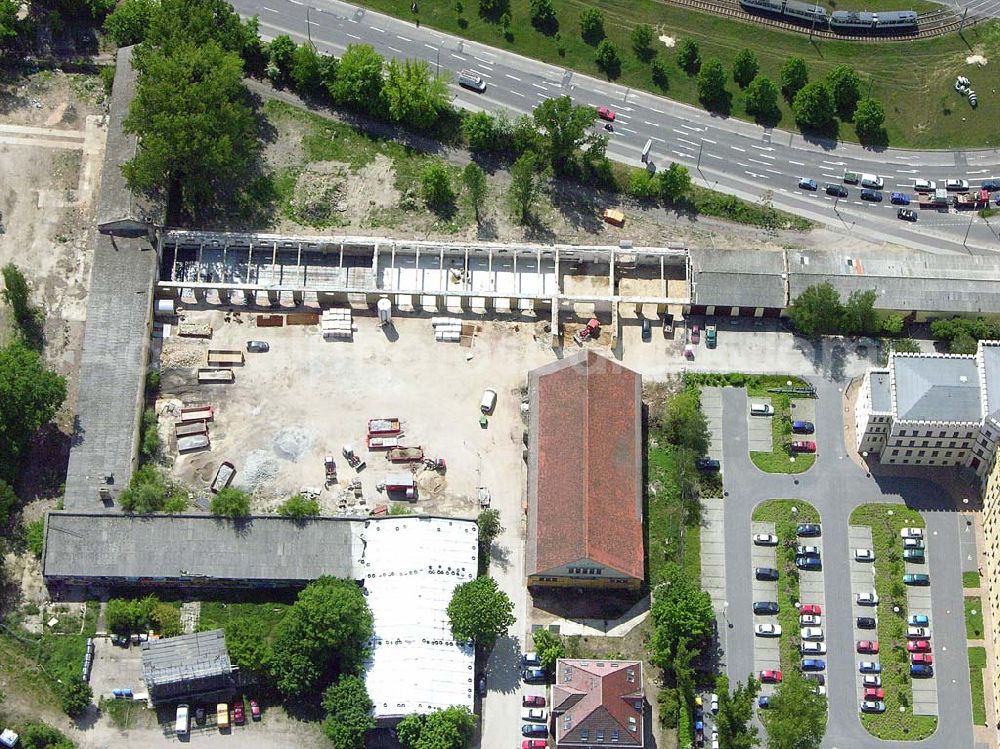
pixel 914 555
pixel 803 446
pixel 714 702
pixel 872 706
pixel 803 427
pixel 871 680
pixel 911 533
pixel 647 329
pixel 918 620
pixel 808 563
pixel 869 667
pixel 811 633
pixel 869 647
pixel 866 622
pixel 899 198
pixel 808 184
pixel 489 401
pixel 534 744
pixel 906 214
pixel 873 195
pixel 990 185
pixel 813 664
pixel 765 539
pixel 761 409
pixel 766 573
pixel 481 685
pixel 258 347
pixel 765 608
pixel 918 633
pixel 770 676
pixel 533 675
pixel 530 659
pixel 868 599
pixel 913 543
pixel 810 608
pixel 808 529
pixel 918 646
pixel 812 648
pixel 239 716
pixel 852 178
pixel 838 191
pixel 532 700
pixel 924 658
pixel 807 551
pixel 864 555
pixel 534 729
pixel 911 578
pixel 768 630
pixel 254 710
pixel 668 325
pixel 708 464
pixel 921 670
pixel 763 701
pixel 535 715
pixel 695 333
pixel 810 620
pixel 814 677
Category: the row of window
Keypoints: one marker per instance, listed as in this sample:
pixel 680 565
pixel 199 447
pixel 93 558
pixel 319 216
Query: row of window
pixel 586 570
pixel 925 443
pixel 916 433
pixel 920 453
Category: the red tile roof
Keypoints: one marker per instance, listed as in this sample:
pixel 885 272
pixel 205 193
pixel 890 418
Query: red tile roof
pixel 598 696
pixel 585 493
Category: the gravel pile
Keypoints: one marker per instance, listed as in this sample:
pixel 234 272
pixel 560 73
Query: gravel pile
pixel 258 469
pixel 292 443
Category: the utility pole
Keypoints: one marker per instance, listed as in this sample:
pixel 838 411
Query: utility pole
pixel 962 25
pixel 308 27
pixel 439 61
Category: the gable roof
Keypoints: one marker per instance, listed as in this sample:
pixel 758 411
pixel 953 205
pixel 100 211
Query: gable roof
pixel 585 461
pixel 599 698
pixel 936 387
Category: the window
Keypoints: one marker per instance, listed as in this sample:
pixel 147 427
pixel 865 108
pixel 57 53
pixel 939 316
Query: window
pixel 951 444
pixel 614 736
pixel 955 435
pixel 912 442
pixel 600 735
pixel 935 453
pixel 905 461
pixel 968 435
pixel 924 443
pixel 632 723
pixel 630 675
pixel 909 453
pixel 941 434
pixel 584 732
pixel 948 454
pixel 920 454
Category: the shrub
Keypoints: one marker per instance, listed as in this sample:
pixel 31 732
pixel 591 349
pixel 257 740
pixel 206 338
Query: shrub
pixel 592 25
pixel 689 56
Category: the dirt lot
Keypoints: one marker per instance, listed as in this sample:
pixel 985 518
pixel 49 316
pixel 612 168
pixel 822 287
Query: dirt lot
pixel 308 397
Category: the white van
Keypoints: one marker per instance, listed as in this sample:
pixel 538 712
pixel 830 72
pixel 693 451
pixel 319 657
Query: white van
pixel 472 79
pixel 183 722
pixel 761 409
pixel 872 181
pixel 489 401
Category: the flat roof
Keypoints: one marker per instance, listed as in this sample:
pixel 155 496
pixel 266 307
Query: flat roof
pixel 881 392
pixel 410 568
pixel 990 353
pixel 738 278
pixel 936 387
pixel 172 660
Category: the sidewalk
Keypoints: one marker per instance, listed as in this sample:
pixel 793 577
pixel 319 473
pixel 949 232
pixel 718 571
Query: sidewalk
pixel 984 734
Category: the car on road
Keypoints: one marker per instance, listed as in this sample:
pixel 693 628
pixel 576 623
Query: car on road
pixel 914 555
pixel 258 347
pixel 472 80
pixel 924 185
pixel 763 701
pixel 925 658
pixel 803 446
pixel 531 659
pixel 808 184
pixel 911 533
pixel 917 633
pixel 918 620
pixel 765 608
pixel 869 647
pixel 990 185
pixel 868 599
pixel 871 680
pixel 872 181
pixel 918 646
pixel 921 670
pixel 906 214
pixel 534 744
pixel 813 664
pixel 899 198
pixel 852 178
pixel 838 191
pixel 695 333
pixel 535 714
pixel 869 667
pixel 766 573
pixel 606 114
pixel 770 676
pixel 534 729
pixel 916 578
pixel 913 543
pixel 872 706
pixel 808 529
pixel 532 700
pixel 808 563
pixel 713 701
pixel 812 648
pixel 810 608
pixel 872 195
pixel 254 710
pixel 533 675
pixel 810 620
pixel 708 464
pixel 239 715
pixel 864 555
pixel 803 427
pixel 814 677
pixel 765 539
pixel 809 551
pixel 866 622
pixel 956 185
pixel 768 630
pixel 811 633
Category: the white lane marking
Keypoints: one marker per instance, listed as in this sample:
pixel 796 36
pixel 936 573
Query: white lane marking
pixel 978 171
pixel 658 111
pixel 353 36
pixel 270 10
pixel 709 140
pixel 537 86
pixel 827 197
pixel 757 176
pixel 458 57
pixel 835 163
pixel 797 163
pixel 430 47
pixel 658 140
pixel 376 28
pixel 679 132
pixel 487 62
pixel 397 51
pixel 774 171
pixel 689 127
pixel 713 156
pixel 761 148
pixel 517 93
pixel 906 171
pixel 757 161
pixel 646 122
pixel 403 38
pixel 295 1
pixel 626 130
pixel 737 148
pixel 831 176
pixel 512 77
pixel 685 140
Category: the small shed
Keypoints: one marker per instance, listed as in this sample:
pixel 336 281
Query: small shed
pixel 614 217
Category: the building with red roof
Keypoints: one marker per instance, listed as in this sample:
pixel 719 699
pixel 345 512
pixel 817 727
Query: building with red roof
pixel 585 475
pixel 598 702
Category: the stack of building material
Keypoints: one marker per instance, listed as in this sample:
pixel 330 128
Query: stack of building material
pixel 448 329
pixel 337 324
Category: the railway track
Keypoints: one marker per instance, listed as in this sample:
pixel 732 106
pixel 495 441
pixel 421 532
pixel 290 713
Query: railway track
pixel 935 23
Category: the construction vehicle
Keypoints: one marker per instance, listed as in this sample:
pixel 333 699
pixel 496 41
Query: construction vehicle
pixel 223 477
pixel 353 459
pixel 483 495
pixel 383 443
pixel 331 471
pixel 587 332
pixel 436 464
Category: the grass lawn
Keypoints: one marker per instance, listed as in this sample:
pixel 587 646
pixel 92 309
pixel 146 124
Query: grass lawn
pixel 898 721
pixel 977 663
pixel 970 579
pixel 215 614
pixel 668 538
pixel 973 617
pixel 922 111
pixel 780 459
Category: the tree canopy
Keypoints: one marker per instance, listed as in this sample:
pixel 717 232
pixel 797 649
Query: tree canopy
pixel 642 41
pixel 474 182
pixel 762 99
pixel 734 720
pixel 682 614
pixel 359 78
pixel 451 728
pixel 299 507
pixel 675 182
pixel 8 21
pixel 608 60
pixel 817 310
pixel 130 20
pixel 794 75
pixel 712 84
pixel 231 502
pixel 592 25
pixel 689 56
pixel 796 716
pixel 412 95
pixel 75 695
pixel 435 186
pixel 566 128
pixel 813 106
pixel 859 317
pixel 549 647
pixel 43 736
pixel 869 122
pixel 683 422
pixel 525 184
pixel 845 85
pixel 348 712
pixel 543 16
pixel 745 67
pixel 480 611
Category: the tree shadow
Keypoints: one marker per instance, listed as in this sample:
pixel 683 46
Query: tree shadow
pixel 48 456
pixel 578 205
pixel 487 230
pixel 722 104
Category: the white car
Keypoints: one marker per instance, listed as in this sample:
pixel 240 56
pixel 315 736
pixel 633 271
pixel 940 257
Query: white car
pixel 924 185
pixel 714 702
pixel 912 533
pixel 715 738
pixel 808 550
pixel 810 620
pixel 864 555
pixel 960 185
pixel 871 680
pixel 811 633
pixel 489 401
pixel 768 630
pixel 868 599
pixel 765 539
pixel 813 648
pixel 535 714
pixel 820 690
pixel 918 633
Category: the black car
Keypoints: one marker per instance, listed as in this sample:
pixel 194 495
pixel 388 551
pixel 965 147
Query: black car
pixel 838 191
pixel 808 529
pixel 906 214
pixel 258 347
pixel 812 676
pixel 866 622
pixel 808 563
pixel 647 329
pixel 708 464
pixel 668 325
pixel 992 185
pixel 765 607
pixel 766 573
pixel 873 195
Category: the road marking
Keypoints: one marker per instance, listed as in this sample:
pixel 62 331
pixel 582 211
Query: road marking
pixel 831 176
pixel 627 130
pixel 684 140
pixel 658 111
pixel 797 163
pixel 658 140
pixel 679 132
pixel 353 36
pixel 431 47
pixel 512 77
pixel 517 93
pixel 835 163
pixel 683 155
pixel 757 176
pixel 757 161
pixel 827 197
pixel 774 171
pixel 376 28
pixel 737 148
pixel 645 122
pixel 541 87
pixel 397 51
pixel 403 38
pixel 906 171
pixel 487 62
pixel 272 10
pixel 688 127
pixel 713 156
pixel 978 171
pixel 295 1
pixel 709 140
pixel 458 57
pixel 761 148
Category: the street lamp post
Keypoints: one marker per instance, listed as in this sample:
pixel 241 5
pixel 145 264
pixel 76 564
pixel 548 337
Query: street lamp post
pixel 308 27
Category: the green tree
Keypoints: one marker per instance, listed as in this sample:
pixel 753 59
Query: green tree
pixel 592 25
pixel 75 695
pixel 745 68
pixel 17 294
pixel 480 132
pixel 813 106
pixel 435 186
pixel 608 60
pixel 734 720
pixel 893 324
pixel 299 507
pixel 43 736
pixel 451 728
pixel 198 22
pixel 359 78
pixel 859 316
pixel 845 85
pixel 549 647
pixel 869 122
pixel 762 99
pixel 281 50
pixel 307 68
pixel 490 527
pixel 412 95
pixel 642 41
pixel 480 611
pixel 248 645
pixel 524 186
pixel 146 492
pixel 474 182
pixel 166 620
pixel 149 428
pixel 658 70
pixel 566 128
pixel 321 636
pixel 682 615
pixel 683 423
pixel 689 56
pixel 493 9
pixel 642 185
pixel 231 502
pixel 128 23
pixel 794 76
pixel 31 397
pixel 348 712
pixel 8 501
pixel 543 16
pixel 963 343
pixel 8 21
pixel 675 183
pixel 712 84
pixel 817 310
pixel 796 716
pixel 34 537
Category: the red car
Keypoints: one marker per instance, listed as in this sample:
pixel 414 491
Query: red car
pixel 239 717
pixel 770 677
pixel 810 608
pixel 801 446
pixel 918 646
pixel 695 333
pixel 606 114
pixel 926 658
pixel 874 693
pixel 867 646
pixel 533 700
pixel 254 710
pixel 534 744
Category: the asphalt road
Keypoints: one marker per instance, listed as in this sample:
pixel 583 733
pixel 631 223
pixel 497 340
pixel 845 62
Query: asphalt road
pixel 835 486
pixel 730 155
